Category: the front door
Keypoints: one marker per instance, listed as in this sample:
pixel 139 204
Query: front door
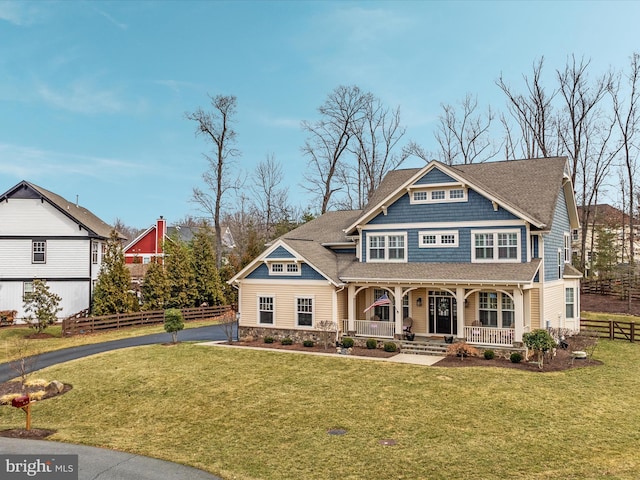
pixel 442 315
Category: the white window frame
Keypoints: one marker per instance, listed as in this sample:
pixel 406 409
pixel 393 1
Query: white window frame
pixel 560 263
pixel 567 247
pixel 427 194
pixel 282 268
pixel 570 302
pixel 259 309
pixel 300 311
pixel 27 288
pixel 35 249
pixel 94 252
pixel 386 247
pixel 495 246
pixel 500 308
pixel 439 234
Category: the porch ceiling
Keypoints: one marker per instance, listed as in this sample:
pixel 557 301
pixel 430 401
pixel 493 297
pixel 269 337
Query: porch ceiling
pixel 441 273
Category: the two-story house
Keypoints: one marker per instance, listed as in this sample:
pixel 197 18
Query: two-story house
pixel 480 252
pixel 43 236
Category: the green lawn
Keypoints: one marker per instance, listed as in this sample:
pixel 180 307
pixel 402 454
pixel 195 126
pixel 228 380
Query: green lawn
pixel 265 415
pixel 12 345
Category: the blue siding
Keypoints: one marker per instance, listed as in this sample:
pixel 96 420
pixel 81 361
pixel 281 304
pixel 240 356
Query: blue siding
pixel 460 254
pixel 554 240
pixel 281 252
pixel 535 241
pixel 476 208
pixel 434 176
pixel 307 273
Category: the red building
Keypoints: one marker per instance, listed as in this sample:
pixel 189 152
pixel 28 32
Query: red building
pixel 147 245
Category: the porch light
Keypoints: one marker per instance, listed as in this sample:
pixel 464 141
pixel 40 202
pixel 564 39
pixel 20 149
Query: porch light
pixel 419 302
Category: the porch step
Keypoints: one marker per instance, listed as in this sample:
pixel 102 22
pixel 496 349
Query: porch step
pixel 424 348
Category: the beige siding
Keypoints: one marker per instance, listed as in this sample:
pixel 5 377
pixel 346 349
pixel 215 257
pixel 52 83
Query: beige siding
pixel 285 295
pixel 553 305
pixel 534 321
pixel 343 305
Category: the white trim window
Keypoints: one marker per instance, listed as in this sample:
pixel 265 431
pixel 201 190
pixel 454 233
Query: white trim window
pixel 284 268
pixel 569 302
pixel 435 239
pixel 567 248
pixel 560 263
pixel 39 251
pixel 94 252
pixel 304 311
pixel 266 310
pixel 500 246
pixel 493 306
pixel 27 289
pixel 389 247
pixel 438 195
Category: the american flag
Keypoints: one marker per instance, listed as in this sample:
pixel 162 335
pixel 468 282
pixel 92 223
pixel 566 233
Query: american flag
pixel 383 300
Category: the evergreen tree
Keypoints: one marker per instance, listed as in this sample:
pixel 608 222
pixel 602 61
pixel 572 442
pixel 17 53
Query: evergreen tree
pixel 155 288
pixel 179 271
pixel 112 293
pixel 606 256
pixel 207 279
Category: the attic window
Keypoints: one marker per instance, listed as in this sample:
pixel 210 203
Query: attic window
pixel 284 268
pixel 441 194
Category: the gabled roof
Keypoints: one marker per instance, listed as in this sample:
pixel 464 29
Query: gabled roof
pixel 527 188
pixel 80 215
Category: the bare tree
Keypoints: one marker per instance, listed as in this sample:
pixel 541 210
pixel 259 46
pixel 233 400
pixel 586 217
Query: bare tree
pixel 533 114
pixel 585 134
pixel 270 199
pixel 465 138
pixel 216 127
pixel 376 137
pixel 328 139
pixel 627 117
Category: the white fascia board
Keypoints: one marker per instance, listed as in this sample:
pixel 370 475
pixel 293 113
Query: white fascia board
pixel 139 237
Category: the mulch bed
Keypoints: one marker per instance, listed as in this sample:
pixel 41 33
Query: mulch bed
pixel 34 433
pixel 318 348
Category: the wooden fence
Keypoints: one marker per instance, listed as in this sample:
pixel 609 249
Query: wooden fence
pixel 78 326
pixel 620 287
pixel 611 329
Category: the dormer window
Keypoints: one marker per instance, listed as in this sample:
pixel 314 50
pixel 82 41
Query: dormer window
pixel 439 194
pixel 284 268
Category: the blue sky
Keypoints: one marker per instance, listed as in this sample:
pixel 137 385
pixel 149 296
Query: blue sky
pixel 93 94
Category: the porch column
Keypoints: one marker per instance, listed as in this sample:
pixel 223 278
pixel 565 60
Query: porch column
pixel 460 311
pixel 518 304
pixel 351 307
pixel 397 305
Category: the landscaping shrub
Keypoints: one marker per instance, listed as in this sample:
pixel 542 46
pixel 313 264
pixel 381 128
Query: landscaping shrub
pixel 489 354
pixel 173 322
pixel 390 347
pixel 515 357
pixel 269 339
pixel 287 341
pixel 347 342
pixel 372 344
pixel 462 349
pixel 308 343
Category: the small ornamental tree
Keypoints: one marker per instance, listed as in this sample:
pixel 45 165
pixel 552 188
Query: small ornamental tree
pixel 540 341
pixel 173 323
pixel 43 304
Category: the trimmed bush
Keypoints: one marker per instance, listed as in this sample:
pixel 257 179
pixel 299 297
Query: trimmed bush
pixel 269 339
pixel 515 357
pixel 347 342
pixel 390 347
pixel 308 343
pixel 372 344
pixel 287 341
pixel 489 354
pixel 173 322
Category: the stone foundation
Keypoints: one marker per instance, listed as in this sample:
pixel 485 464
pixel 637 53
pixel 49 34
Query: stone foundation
pixel 298 336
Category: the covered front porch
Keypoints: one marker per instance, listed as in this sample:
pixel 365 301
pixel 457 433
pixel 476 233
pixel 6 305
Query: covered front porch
pixel 481 315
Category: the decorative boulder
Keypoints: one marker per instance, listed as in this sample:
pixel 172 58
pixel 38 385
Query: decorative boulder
pixel 55 387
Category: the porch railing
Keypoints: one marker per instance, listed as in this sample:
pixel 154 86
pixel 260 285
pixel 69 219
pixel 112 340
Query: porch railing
pixel 370 328
pixel 489 335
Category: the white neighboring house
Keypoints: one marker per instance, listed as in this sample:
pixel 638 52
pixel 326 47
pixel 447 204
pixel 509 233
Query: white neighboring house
pixel 43 236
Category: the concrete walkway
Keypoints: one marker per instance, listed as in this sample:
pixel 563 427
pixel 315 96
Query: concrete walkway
pixel 103 464
pixel 399 358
